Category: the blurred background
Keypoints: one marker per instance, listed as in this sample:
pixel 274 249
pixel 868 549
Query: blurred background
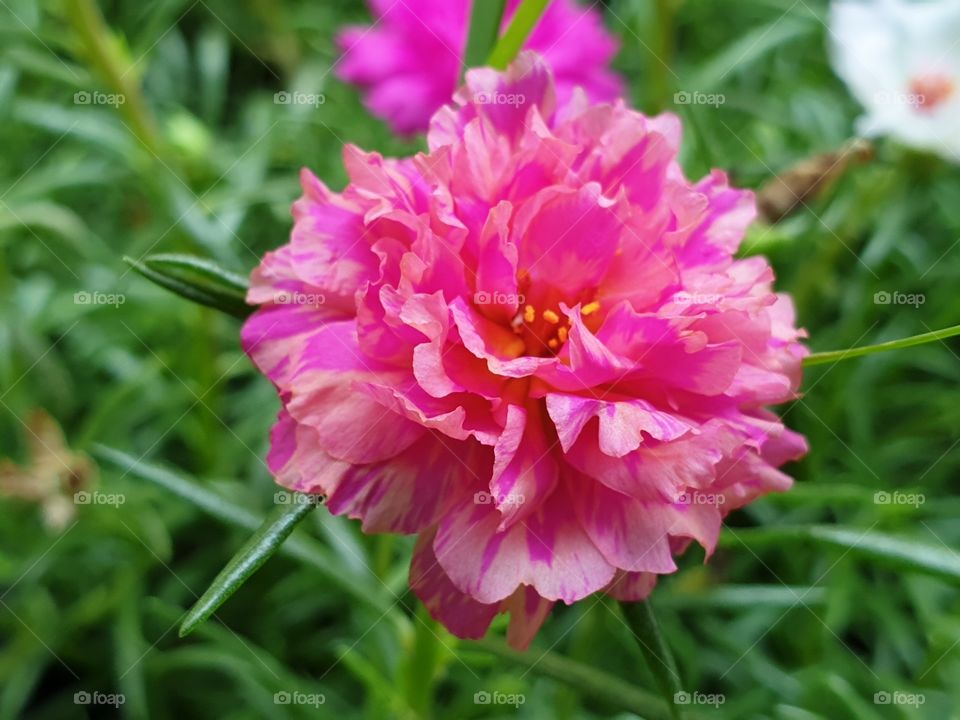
pixel 131 128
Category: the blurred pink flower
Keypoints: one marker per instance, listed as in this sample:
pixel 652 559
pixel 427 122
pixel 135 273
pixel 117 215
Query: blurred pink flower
pixel 531 345
pixel 409 61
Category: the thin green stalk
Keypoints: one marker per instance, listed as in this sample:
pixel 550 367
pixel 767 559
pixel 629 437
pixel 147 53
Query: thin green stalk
pixel 117 72
pixel 588 680
pixel 655 650
pixel 485 20
pixel 834 356
pixel 510 43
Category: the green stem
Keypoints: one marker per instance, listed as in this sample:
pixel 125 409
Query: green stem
pixel 419 671
pixel 525 19
pixel 485 23
pixel 589 680
pixel 834 356
pixel 655 650
pixel 117 72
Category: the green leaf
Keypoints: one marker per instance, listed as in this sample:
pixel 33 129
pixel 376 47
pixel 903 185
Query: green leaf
pixel 484 27
pixel 196 279
pixel 525 19
pixel 587 679
pixel 643 624
pixel 897 552
pixel 255 552
pixel 303 549
pixel 835 356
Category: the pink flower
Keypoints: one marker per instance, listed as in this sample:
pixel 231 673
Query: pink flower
pixel 532 346
pixel 409 61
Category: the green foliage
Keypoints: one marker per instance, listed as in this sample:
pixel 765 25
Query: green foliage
pixel 857 594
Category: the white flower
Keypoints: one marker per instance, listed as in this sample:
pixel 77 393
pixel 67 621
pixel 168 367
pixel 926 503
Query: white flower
pixel 901 60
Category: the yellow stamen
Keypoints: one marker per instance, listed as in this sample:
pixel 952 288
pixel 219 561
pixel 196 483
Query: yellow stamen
pixel 562 334
pixel 551 317
pixel 590 308
pixel 529 314
pixel 553 344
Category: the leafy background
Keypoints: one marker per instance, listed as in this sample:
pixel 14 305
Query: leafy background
pixel 788 621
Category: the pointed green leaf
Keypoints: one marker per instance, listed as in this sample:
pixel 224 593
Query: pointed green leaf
pixel 898 552
pixel 196 279
pixel 646 630
pixel 254 553
pixel 302 549
pixel 512 40
pixel 485 22
pixel 586 678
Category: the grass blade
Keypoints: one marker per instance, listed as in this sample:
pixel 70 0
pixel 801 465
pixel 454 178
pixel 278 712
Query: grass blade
pixel 510 43
pixel 255 552
pixel 485 22
pixel 589 680
pixel 897 552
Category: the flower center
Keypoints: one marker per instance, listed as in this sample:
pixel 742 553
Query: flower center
pixel 545 332
pixel 931 91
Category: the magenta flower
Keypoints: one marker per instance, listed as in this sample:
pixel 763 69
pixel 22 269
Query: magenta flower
pixel 409 61
pixel 532 346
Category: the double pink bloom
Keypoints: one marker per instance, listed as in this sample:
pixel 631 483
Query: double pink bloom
pixel 533 347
